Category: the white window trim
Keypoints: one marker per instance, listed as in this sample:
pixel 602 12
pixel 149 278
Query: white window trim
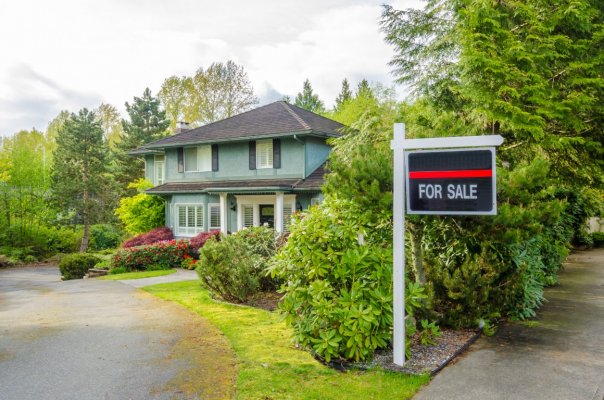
pixel 157 182
pixel 199 158
pixel 258 156
pixel 210 206
pixel 256 201
pixel 177 220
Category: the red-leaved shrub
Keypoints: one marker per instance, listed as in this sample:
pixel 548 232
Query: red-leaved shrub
pixel 162 255
pixel 153 236
pixel 198 241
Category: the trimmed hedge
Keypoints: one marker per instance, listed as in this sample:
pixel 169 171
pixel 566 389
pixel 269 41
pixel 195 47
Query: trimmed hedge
pixel 153 236
pixel 162 255
pixel 75 266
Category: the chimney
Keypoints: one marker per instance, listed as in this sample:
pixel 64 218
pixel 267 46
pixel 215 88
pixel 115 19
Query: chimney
pixel 181 126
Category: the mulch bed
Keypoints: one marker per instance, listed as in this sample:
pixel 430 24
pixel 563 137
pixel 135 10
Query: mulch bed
pixel 266 300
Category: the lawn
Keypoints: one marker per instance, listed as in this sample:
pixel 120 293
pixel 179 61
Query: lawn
pixel 138 275
pixel 269 365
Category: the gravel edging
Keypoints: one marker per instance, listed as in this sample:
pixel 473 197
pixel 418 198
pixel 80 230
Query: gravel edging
pixel 424 359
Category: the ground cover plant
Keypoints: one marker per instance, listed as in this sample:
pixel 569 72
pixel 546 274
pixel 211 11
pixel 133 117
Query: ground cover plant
pixel 137 275
pixel 270 366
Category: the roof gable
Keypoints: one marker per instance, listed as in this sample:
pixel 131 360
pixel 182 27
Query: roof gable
pixel 274 119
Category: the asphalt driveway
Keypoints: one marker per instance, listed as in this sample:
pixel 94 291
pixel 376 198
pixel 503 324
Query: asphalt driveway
pixel 559 356
pixel 92 339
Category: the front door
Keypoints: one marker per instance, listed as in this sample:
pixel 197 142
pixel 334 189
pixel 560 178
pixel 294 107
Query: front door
pixel 267 215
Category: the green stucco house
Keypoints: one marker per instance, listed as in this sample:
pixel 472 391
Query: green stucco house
pixel 251 169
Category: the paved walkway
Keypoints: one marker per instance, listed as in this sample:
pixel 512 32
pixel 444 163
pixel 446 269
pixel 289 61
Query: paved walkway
pixel 560 358
pixel 93 339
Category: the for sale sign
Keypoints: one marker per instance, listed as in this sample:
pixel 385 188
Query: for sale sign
pixel 454 182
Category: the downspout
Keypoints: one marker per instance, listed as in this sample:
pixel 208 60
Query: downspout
pixel 304 155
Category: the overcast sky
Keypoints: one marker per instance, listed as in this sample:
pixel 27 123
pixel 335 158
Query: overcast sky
pixel 69 54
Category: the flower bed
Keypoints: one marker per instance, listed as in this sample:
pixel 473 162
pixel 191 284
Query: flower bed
pixel 151 237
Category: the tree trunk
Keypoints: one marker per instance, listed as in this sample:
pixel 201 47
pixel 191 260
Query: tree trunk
pixel 84 245
pixel 417 253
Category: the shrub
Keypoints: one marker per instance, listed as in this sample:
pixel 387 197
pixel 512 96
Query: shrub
pixel 262 241
pixel 5 262
pixel 167 254
pixel 141 212
pixel 153 236
pixel 229 269
pixel 75 266
pixel 338 289
pixel 198 241
pixel 598 239
pixel 104 236
pixel 189 263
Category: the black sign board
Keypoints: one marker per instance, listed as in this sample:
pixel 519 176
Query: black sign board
pixel 456 182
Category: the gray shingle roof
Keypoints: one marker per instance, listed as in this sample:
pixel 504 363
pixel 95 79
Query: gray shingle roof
pixel 274 119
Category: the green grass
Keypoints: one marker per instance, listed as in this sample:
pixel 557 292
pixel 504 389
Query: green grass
pixel 270 367
pixel 138 275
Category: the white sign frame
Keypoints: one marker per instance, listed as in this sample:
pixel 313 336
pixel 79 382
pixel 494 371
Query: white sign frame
pixel 493 210
pixel 399 145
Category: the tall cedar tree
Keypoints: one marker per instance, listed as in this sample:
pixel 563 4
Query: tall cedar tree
pixel 79 174
pixel 345 94
pixel 308 100
pixel 147 123
pixel 529 70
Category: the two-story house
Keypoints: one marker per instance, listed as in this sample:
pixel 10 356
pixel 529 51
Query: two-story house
pixel 251 169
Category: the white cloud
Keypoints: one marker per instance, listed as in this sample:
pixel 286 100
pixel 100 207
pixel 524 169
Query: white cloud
pixel 68 54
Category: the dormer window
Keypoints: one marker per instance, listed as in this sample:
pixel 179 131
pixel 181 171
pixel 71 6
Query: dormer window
pixel 264 154
pixel 198 159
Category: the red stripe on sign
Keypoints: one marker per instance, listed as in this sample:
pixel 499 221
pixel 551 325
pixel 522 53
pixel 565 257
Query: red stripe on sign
pixel 462 173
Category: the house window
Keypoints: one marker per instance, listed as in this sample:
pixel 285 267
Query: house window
pixel 190 219
pixel 247 211
pixel 264 154
pixel 214 216
pixel 159 169
pixel 198 159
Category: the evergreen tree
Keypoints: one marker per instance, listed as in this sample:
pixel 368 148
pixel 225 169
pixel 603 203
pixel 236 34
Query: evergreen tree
pixel 345 94
pixel 529 70
pixel 308 100
pixel 147 123
pixel 363 89
pixel 80 181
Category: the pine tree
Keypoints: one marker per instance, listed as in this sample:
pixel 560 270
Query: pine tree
pixel 308 100
pixel 79 175
pixel 345 94
pixel 147 123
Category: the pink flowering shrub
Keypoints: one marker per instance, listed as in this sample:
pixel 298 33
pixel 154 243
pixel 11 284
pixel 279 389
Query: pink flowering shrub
pixel 198 241
pixel 161 255
pixel 153 236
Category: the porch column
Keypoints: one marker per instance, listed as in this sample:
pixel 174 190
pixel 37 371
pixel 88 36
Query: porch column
pixel 279 212
pixel 224 209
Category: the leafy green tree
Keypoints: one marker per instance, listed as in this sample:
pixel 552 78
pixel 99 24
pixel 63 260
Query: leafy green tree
pixel 148 122
pixel 345 94
pixel 79 174
pixel 220 91
pixel 111 123
pixel 175 96
pixel 142 212
pixel 308 100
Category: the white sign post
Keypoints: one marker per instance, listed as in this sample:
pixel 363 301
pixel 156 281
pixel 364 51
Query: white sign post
pixel 399 145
